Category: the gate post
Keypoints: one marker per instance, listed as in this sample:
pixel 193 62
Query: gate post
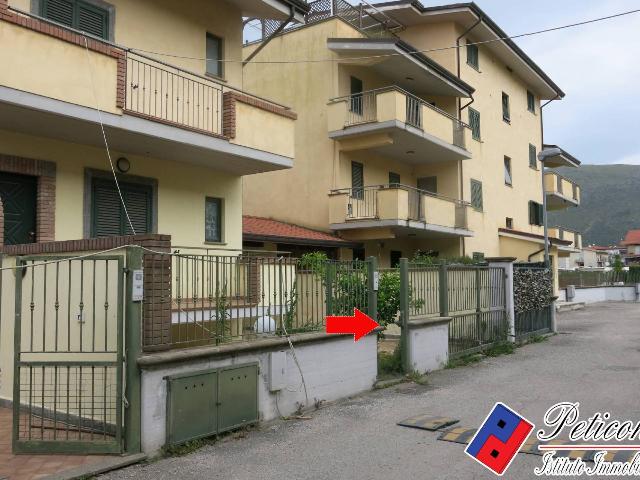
pixel 132 350
pixel 404 315
pixel 372 287
pixel 507 264
pixel 443 290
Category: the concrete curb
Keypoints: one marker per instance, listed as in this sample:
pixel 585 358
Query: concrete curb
pixel 97 468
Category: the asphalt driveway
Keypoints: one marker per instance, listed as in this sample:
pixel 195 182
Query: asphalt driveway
pixel 595 360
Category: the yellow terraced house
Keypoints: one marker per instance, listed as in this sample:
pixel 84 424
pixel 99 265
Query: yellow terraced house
pixel 410 137
pixel 168 96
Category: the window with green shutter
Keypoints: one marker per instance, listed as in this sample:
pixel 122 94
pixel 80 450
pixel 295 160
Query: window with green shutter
pixel 472 55
pixel 531 102
pixel 506 111
pixel 394 178
pixel 357 180
pixel 533 157
pixel 476 194
pixel 474 123
pixel 536 213
pixel 213 220
pixel 108 217
pixel 78 14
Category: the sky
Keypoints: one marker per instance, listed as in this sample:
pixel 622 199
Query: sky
pixel 597 66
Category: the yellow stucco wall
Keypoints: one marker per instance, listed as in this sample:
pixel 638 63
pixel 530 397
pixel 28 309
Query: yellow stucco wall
pixel 177 28
pixel 182 188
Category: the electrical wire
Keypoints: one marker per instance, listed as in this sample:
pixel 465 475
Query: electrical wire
pixel 104 135
pixel 412 52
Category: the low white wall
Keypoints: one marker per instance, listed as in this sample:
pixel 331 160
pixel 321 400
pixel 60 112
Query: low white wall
pixel 625 293
pixel 333 368
pixel 428 343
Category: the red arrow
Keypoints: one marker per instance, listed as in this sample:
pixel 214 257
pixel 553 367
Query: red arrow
pixel 360 324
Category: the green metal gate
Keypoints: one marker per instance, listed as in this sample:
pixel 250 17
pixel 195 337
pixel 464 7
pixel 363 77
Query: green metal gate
pixel 68 380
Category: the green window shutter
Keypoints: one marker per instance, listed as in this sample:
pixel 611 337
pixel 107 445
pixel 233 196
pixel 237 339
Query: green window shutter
pixel 93 20
pixel 532 212
pixel 531 102
pixel 108 217
pixel 474 123
pixel 533 154
pixel 506 113
pixel 472 55
pixel 540 214
pixel 476 194
pixel 357 180
pixel 60 11
pixel 77 14
pixel 213 220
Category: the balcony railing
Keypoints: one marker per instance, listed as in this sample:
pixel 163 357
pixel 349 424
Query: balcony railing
pixel 394 103
pixel 160 91
pixel 565 234
pixel 398 202
pixel 562 186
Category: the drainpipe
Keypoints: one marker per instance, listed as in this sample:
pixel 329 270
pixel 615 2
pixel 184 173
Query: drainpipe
pixel 460 108
pixel 264 43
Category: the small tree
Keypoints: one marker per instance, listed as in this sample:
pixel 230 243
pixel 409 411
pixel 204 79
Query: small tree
pixel 618 266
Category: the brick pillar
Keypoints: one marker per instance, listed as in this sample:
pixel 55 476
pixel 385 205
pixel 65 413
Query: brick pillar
pixel 45 210
pixel 157 301
pixel 229 114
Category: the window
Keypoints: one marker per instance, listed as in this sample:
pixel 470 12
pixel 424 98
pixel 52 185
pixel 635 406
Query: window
pixel 108 217
pixel 394 178
pixel 474 123
pixel 77 14
pixel 509 223
pixel 531 102
pixel 358 254
pixel 356 95
pixel 536 213
pixel 506 114
pixel 428 184
pixel 476 194
pixel 508 180
pixel 357 180
pixel 478 256
pixel 213 220
pixel 533 157
pixel 472 55
pixel 395 256
pixel 214 55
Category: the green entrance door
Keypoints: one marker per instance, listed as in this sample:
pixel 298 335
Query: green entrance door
pixel 18 194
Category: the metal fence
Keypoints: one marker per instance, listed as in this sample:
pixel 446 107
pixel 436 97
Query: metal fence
pixel 597 278
pixel 214 299
pixel 473 295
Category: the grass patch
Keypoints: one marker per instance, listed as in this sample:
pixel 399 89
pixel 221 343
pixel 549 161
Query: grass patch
pixel 188 447
pixel 502 348
pixel 537 338
pixel 390 364
pixel 464 360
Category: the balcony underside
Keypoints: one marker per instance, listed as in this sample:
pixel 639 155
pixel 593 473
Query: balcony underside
pixel 557 201
pixel 43 116
pixel 396 139
pixel 381 229
pixel 565 251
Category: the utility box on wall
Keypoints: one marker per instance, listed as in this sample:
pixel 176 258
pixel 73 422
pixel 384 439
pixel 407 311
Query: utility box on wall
pixel 208 402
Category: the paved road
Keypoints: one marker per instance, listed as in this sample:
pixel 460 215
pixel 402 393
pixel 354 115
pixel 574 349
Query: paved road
pixel 594 360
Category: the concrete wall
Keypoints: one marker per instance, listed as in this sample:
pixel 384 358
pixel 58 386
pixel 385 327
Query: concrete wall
pixel 602 294
pixel 428 347
pixel 333 368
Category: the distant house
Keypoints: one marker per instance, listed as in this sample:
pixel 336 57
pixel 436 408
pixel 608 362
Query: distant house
pixel 632 243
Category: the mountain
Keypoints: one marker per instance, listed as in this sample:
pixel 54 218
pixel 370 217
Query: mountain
pixel 609 204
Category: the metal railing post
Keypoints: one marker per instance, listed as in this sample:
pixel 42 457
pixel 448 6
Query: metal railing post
pixel 444 290
pixel 404 315
pixel 328 282
pixel 133 349
pixel 372 287
pixel 479 304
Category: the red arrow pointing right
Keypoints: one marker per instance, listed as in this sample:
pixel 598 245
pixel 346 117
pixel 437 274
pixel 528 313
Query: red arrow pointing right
pixel 360 324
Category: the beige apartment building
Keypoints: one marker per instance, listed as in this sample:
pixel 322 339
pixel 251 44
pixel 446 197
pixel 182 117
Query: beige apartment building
pixel 181 131
pixel 406 143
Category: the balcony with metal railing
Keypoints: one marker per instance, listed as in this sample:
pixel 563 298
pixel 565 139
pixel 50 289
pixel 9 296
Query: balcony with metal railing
pixel 402 209
pixel 563 233
pixel 561 192
pixel 146 106
pixel 413 130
